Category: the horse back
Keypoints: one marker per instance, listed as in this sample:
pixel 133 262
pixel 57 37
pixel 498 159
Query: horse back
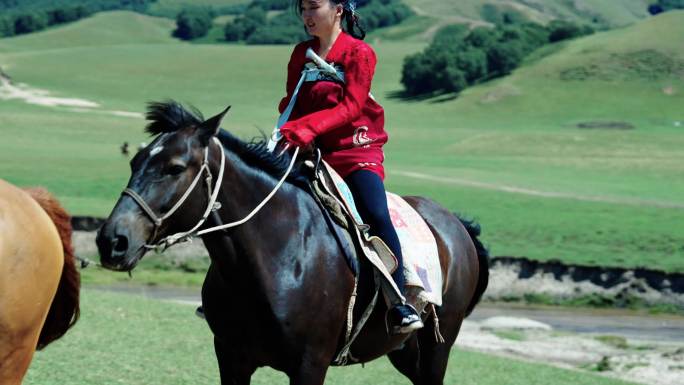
pixel 36 261
pixel 457 253
pixel 64 310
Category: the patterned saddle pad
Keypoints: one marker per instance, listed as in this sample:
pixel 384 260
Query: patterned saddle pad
pixel 418 245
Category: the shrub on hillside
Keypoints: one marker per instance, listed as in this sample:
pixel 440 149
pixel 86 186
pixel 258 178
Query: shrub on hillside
pixel 31 16
pixel 30 22
pixel 458 58
pixel 664 6
pixel 6 27
pixel 272 5
pixel 192 23
pixel 66 14
pixel 562 30
pixel 286 27
pixel 244 26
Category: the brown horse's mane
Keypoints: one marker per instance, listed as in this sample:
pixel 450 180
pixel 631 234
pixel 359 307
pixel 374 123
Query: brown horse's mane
pixel 64 311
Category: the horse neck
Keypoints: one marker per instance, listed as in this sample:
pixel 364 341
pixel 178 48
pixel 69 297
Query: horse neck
pixel 260 239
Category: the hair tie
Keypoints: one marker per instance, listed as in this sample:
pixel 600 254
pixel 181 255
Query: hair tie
pixel 350 6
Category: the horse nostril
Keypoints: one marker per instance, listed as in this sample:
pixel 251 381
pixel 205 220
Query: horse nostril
pixel 120 244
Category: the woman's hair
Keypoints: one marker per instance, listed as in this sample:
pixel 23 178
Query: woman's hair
pixel 350 19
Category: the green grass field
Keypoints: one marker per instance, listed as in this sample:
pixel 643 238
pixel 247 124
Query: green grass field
pixel 124 339
pixel 508 153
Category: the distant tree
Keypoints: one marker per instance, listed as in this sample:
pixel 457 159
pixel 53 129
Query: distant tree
pixel 665 5
pixel 6 27
pixel 192 23
pixel 30 22
pixel 562 30
pixel 417 75
pixel 286 27
pixel 454 79
pixel 655 9
pixel 483 37
pixel 234 31
pixel 450 35
pixel 472 62
pixel 503 58
pixel 244 26
pixel 66 14
pixel 272 5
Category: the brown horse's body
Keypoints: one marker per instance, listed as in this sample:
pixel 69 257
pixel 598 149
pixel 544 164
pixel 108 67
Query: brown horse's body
pixel 33 266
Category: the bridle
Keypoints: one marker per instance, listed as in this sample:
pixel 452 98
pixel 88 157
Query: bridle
pixel 212 204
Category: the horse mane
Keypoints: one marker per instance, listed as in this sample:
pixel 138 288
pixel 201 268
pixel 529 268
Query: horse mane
pixel 171 116
pixel 64 310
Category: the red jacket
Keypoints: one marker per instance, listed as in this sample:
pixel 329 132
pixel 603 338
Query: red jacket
pixel 347 123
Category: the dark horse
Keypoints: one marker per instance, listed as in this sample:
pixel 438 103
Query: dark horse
pixel 277 290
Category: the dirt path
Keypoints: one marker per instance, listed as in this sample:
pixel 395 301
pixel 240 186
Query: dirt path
pixel 9 90
pixel 539 193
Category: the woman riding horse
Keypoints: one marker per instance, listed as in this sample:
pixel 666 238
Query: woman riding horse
pixel 346 123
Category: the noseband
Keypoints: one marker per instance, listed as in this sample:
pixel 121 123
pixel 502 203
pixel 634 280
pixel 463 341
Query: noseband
pixel 212 204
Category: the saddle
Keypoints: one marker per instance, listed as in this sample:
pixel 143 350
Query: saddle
pixel 422 268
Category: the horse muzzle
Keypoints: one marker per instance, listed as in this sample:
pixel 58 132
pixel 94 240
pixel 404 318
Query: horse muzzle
pixel 119 249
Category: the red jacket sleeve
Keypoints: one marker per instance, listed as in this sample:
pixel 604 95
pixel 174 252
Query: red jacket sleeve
pixel 294 69
pixel 359 67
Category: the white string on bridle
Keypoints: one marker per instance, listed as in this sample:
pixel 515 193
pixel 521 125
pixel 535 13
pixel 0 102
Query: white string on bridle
pixel 212 204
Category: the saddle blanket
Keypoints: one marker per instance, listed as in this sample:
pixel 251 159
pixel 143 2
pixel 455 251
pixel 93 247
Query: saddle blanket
pixel 418 245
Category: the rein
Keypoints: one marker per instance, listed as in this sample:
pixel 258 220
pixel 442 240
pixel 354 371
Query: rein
pixel 212 204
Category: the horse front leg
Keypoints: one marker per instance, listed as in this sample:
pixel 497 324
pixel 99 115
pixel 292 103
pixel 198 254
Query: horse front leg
pixel 309 373
pixel 234 370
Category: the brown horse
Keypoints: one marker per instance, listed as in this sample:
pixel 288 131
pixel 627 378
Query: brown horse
pixel 39 282
pixel 278 288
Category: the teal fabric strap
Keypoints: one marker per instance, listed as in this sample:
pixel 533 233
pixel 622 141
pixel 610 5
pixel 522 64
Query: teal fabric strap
pixel 309 74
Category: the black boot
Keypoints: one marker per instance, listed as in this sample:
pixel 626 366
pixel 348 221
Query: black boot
pixel 404 319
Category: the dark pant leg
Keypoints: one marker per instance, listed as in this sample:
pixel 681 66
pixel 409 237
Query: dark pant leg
pixel 371 201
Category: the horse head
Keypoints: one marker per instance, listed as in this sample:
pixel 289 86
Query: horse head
pixel 166 184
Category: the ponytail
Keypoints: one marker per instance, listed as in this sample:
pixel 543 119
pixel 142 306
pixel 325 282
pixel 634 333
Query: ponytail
pixel 351 19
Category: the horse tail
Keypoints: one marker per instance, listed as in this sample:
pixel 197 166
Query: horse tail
pixel 64 310
pixel 474 230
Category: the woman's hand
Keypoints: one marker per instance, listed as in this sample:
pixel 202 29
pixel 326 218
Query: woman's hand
pixel 301 136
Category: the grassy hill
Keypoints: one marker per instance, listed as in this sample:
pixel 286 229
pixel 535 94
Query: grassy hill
pixel 512 153
pixel 102 29
pixel 433 14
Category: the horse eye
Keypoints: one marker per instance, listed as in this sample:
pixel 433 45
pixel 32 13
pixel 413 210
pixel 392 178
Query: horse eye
pixel 175 169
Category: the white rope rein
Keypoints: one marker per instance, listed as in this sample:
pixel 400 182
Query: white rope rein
pixel 256 209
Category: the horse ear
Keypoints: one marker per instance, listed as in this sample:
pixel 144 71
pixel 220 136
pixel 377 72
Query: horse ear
pixel 210 127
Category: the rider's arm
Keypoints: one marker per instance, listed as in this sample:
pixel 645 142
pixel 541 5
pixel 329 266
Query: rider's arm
pixel 359 67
